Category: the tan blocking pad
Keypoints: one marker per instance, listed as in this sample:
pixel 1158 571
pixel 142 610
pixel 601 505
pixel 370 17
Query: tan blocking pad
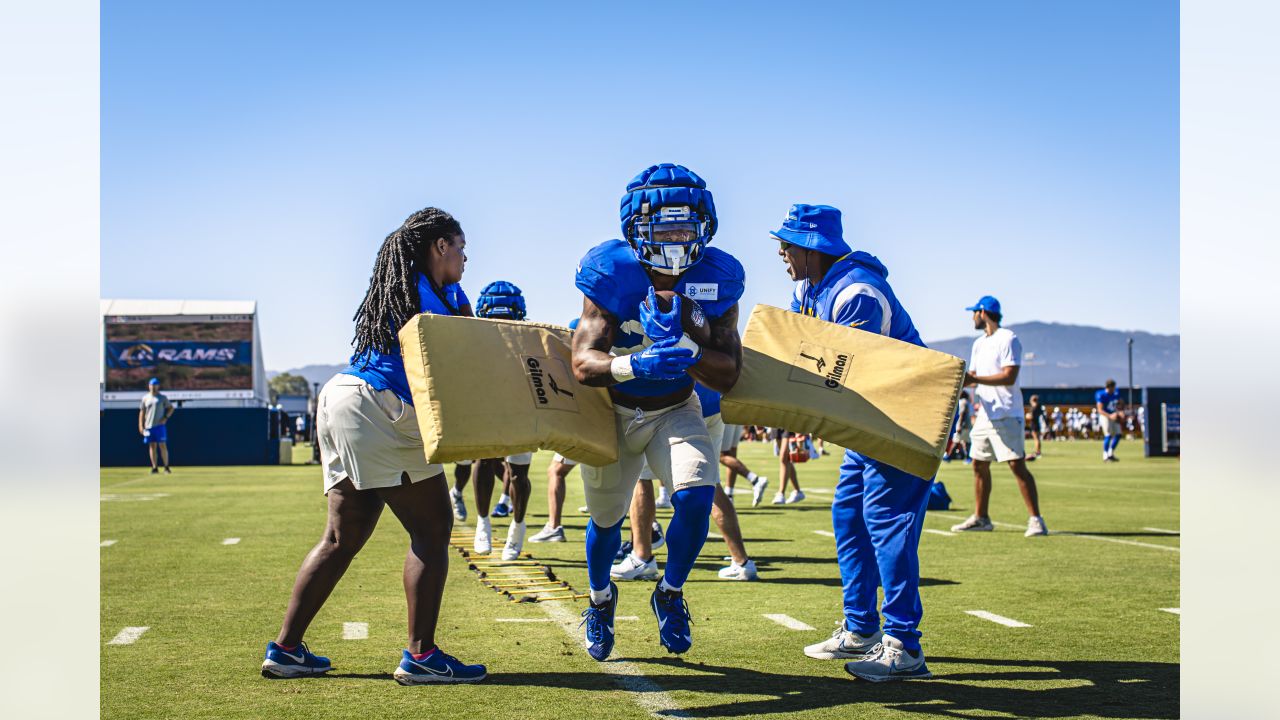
pixel 492 388
pixel 884 398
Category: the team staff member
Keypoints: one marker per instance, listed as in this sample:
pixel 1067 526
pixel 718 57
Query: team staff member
pixel 878 510
pixel 373 456
pixel 998 431
pixel 153 414
pixel 1107 404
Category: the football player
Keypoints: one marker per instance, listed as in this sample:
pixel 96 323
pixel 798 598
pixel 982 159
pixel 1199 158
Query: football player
pixel 625 342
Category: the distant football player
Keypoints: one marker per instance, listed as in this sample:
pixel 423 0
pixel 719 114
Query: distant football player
pixel 153 416
pixel 878 511
pixel 627 342
pixel 1107 406
pixel 372 454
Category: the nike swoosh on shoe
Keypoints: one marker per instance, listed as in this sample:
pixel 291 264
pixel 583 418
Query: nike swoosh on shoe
pixel 296 658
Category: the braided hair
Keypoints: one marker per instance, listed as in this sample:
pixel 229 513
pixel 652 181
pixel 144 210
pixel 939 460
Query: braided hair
pixel 393 289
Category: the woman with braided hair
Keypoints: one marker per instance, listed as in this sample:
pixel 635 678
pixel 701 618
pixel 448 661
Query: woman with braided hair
pixel 372 454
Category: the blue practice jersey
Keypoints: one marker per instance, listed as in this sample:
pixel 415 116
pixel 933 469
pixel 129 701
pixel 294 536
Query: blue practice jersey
pixel 709 398
pixel 856 292
pixel 611 276
pixel 1109 400
pixel 385 371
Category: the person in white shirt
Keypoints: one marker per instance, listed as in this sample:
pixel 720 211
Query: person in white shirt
pixel 998 430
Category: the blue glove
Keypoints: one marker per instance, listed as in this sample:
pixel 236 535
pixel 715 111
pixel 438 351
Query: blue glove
pixel 662 361
pixel 660 325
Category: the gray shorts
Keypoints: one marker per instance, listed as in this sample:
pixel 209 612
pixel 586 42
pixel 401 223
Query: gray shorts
pixel 370 436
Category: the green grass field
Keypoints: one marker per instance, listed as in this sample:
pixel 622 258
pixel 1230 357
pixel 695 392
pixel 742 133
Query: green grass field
pixel 1099 644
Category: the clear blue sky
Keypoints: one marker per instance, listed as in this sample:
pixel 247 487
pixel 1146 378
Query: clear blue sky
pixel 1023 149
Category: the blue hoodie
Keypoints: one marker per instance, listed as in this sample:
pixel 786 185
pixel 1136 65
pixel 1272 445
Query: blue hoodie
pixel 856 292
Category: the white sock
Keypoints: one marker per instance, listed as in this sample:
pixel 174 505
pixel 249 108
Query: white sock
pixel 599 597
pixel 453 492
pixel 752 477
pixel 668 587
pixel 504 500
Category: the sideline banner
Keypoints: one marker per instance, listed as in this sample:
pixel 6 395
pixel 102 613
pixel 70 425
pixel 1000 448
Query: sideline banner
pixel 884 398
pixel 489 388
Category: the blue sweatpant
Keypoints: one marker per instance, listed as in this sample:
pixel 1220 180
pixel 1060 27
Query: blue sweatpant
pixel 877 516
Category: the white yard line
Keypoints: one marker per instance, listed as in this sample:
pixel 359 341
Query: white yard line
pixel 131 497
pixel 1109 487
pixel 1135 543
pixel 787 621
pixel 355 631
pixel 106 543
pixel 1175 611
pixel 713 536
pixel 128 636
pixel 939 532
pixel 999 619
pixel 619 618
pixel 824 533
pixel 231 541
pixel 1162 530
pixel 819 491
pixel 629 676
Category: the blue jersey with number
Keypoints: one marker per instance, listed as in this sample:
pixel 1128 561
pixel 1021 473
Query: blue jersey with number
pixel 856 292
pixel 385 371
pixel 1109 400
pixel 611 276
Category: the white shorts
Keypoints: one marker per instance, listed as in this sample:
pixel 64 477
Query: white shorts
pixel 675 443
pixel 521 459
pixel 1111 427
pixel 370 436
pixel 731 435
pixel 999 440
pixel 715 428
pixel 558 458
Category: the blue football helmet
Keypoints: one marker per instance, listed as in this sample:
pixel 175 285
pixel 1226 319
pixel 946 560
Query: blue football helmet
pixel 501 299
pixel 668 217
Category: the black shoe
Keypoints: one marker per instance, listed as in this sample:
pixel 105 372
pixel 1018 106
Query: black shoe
pixel 623 551
pixel 155 471
pixel 167 471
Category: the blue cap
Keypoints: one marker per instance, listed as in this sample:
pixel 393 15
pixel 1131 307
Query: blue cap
pixel 153 381
pixel 816 227
pixel 987 303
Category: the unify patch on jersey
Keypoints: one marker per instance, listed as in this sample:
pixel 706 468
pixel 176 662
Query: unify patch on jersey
pixel 821 366
pixel 702 291
pixel 549 383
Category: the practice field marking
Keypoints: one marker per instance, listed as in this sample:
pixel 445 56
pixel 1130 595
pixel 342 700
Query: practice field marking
pixel 939 532
pixel 131 497
pixel 128 636
pixel 1167 548
pixel 819 491
pixel 106 543
pixel 355 631
pixel 824 533
pixel 629 676
pixel 787 621
pixel 1114 489
pixel 713 536
pixel 231 541
pixel 998 619
pixel 1175 611
pixel 1162 530
pixel 547 619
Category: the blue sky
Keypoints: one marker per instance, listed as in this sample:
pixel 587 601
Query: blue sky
pixel 1023 149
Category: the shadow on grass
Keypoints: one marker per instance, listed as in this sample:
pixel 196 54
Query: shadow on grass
pixel 1107 689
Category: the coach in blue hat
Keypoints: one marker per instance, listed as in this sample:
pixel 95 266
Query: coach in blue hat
pixel 878 510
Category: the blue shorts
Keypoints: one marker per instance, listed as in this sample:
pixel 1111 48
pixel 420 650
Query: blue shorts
pixel 156 434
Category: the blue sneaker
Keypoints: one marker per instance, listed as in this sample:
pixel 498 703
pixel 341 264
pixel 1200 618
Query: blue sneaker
pixel 599 622
pixel 500 510
pixel 299 662
pixel 623 551
pixel 673 620
pixel 658 538
pixel 438 667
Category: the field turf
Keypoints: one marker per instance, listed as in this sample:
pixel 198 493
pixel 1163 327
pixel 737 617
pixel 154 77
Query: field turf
pixel 1099 643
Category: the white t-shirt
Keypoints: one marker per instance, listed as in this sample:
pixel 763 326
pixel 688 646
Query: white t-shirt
pixel 991 354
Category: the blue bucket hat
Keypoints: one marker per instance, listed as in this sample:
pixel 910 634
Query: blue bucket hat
pixel 987 303
pixel 153 381
pixel 816 227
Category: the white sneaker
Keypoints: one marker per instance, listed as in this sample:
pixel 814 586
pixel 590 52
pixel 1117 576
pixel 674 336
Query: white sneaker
pixel 459 505
pixel 890 661
pixel 515 541
pixel 483 544
pixel 795 497
pixel 974 524
pixel 739 572
pixel 1035 526
pixel 584 510
pixel 633 568
pixel 549 534
pixel 779 499
pixel 843 644
pixel 757 490
pixel 663 500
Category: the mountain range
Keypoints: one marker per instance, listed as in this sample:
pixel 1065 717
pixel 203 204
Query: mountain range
pixel 1054 355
